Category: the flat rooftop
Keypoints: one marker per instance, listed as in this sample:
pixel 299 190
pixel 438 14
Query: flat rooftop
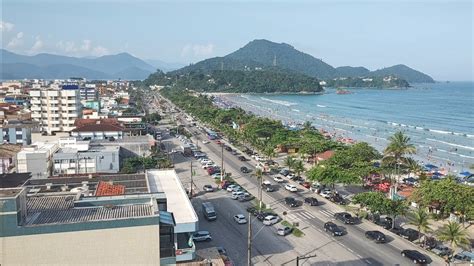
pixel 9 192
pixel 178 203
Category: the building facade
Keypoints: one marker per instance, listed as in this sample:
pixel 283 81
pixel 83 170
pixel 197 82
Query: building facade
pixel 56 109
pixel 36 159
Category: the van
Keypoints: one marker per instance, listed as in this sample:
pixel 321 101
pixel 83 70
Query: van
pixel 208 211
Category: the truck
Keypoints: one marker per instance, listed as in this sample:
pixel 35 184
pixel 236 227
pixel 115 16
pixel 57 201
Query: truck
pixel 208 211
pixel 187 150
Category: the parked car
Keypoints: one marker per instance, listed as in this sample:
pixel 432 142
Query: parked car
pixel 283 231
pixel 239 193
pixel 244 170
pixel 205 161
pixel 326 193
pixel 291 176
pixel 270 220
pixel 290 201
pixel 464 256
pixel 311 201
pixel 345 217
pixel 337 198
pixel 414 256
pixel 441 251
pixel 376 236
pixel 284 172
pixel 291 188
pixel 234 152
pixel 306 184
pixel 278 179
pixel 261 215
pixel 242 158
pixel 227 148
pixel 208 188
pixel 333 229
pixel 216 176
pixel 240 219
pixel 213 170
pixel 205 142
pixel 231 187
pixel 200 236
pixel 253 210
pixel 245 197
pixel 410 234
pixel 208 164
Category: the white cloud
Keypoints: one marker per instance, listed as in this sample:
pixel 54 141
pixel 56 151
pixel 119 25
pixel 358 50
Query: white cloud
pixel 16 41
pixel 100 51
pixel 197 50
pixel 37 46
pixel 6 26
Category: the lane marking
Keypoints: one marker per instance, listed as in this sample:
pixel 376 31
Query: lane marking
pixel 368 261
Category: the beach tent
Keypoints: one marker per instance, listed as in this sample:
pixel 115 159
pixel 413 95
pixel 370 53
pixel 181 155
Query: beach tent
pixel 430 167
pixel 465 174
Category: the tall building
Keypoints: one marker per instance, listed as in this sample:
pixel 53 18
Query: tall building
pixel 56 109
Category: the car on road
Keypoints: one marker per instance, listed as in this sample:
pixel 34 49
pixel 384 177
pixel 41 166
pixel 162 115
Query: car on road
pixel 231 187
pixel 244 170
pixel 266 183
pixel 205 161
pixel 284 172
pixel 234 152
pixel 410 234
pixel 278 179
pixel 242 158
pixel 333 229
pixel 219 142
pixel 208 188
pixel 311 201
pixel 376 236
pixel 270 220
pixel 245 197
pixel 306 184
pixel 441 251
pixel 290 201
pixel 414 256
pixel 291 188
pixel 261 215
pixel 237 194
pixel 205 142
pixel 200 236
pixel 240 219
pixel 208 164
pixel 283 231
pixel 345 217
pixel 326 193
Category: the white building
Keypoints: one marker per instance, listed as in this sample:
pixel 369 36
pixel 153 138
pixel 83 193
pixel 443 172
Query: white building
pixel 55 109
pixel 37 159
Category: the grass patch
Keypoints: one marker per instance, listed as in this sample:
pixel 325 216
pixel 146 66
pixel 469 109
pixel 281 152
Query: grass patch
pixel 296 232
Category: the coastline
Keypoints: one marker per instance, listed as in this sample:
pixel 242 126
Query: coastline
pixel 224 100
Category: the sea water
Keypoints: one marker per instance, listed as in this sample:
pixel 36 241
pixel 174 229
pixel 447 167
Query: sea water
pixel 439 117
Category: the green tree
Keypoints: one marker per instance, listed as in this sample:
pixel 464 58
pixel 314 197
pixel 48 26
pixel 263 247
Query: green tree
pixel 420 219
pixel 298 167
pixel 455 235
pixel 289 162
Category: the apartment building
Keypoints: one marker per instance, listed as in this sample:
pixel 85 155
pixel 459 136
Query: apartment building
pixel 56 109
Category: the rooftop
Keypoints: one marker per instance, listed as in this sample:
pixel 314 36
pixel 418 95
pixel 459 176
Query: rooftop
pixel 13 180
pixel 178 203
pixel 9 192
pixel 107 189
pixel 98 127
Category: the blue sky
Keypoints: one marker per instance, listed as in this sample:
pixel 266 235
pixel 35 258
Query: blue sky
pixel 435 37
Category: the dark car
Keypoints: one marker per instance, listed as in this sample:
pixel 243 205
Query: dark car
pixel 312 201
pixel 227 148
pixel 414 256
pixel 244 170
pixel 376 236
pixel 410 234
pixel 386 222
pixel 345 217
pixel 261 215
pixel 336 198
pixel 284 172
pixel 252 210
pixel 213 170
pixel 333 229
pixel 242 158
pixel 397 230
pixel 269 188
pixel 290 201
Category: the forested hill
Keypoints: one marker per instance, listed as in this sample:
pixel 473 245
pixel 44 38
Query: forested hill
pixel 239 81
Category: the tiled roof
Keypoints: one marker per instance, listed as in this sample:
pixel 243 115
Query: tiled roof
pixel 85 121
pixel 78 215
pixel 106 189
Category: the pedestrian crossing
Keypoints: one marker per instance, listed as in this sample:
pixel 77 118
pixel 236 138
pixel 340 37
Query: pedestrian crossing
pixel 304 215
pixel 327 213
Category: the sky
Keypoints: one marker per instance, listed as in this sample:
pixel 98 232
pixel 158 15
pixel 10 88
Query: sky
pixel 435 37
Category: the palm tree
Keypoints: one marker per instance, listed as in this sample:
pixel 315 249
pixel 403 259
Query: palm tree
pixel 420 219
pixel 412 166
pixel 298 167
pixel 289 162
pixel 398 147
pixel 455 235
pixel 259 175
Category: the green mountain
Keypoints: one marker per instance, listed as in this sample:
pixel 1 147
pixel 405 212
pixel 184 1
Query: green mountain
pixel 262 54
pixel 404 72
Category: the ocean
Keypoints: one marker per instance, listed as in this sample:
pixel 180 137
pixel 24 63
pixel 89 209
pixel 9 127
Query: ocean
pixel 439 117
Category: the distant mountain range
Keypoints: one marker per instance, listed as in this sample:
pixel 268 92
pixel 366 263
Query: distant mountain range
pixel 50 66
pixel 264 54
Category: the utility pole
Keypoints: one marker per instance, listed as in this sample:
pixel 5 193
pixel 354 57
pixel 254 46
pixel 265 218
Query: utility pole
pixel 222 162
pixel 191 189
pixel 302 258
pixel 249 242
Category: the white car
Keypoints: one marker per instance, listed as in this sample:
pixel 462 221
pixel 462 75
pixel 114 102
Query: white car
pixel 205 161
pixel 205 142
pixel 291 187
pixel 291 176
pixel 266 183
pixel 239 193
pixel 240 219
pixel 230 188
pixel 326 193
pixel 277 179
pixel 270 220
pixel 206 165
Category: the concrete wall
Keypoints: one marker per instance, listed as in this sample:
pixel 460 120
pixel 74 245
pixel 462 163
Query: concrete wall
pixel 122 246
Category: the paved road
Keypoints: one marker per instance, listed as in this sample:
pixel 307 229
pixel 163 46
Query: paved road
pixel 351 249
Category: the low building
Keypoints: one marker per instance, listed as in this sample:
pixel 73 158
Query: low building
pixel 137 219
pixel 99 130
pixel 130 146
pixel 36 159
pixel 8 154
